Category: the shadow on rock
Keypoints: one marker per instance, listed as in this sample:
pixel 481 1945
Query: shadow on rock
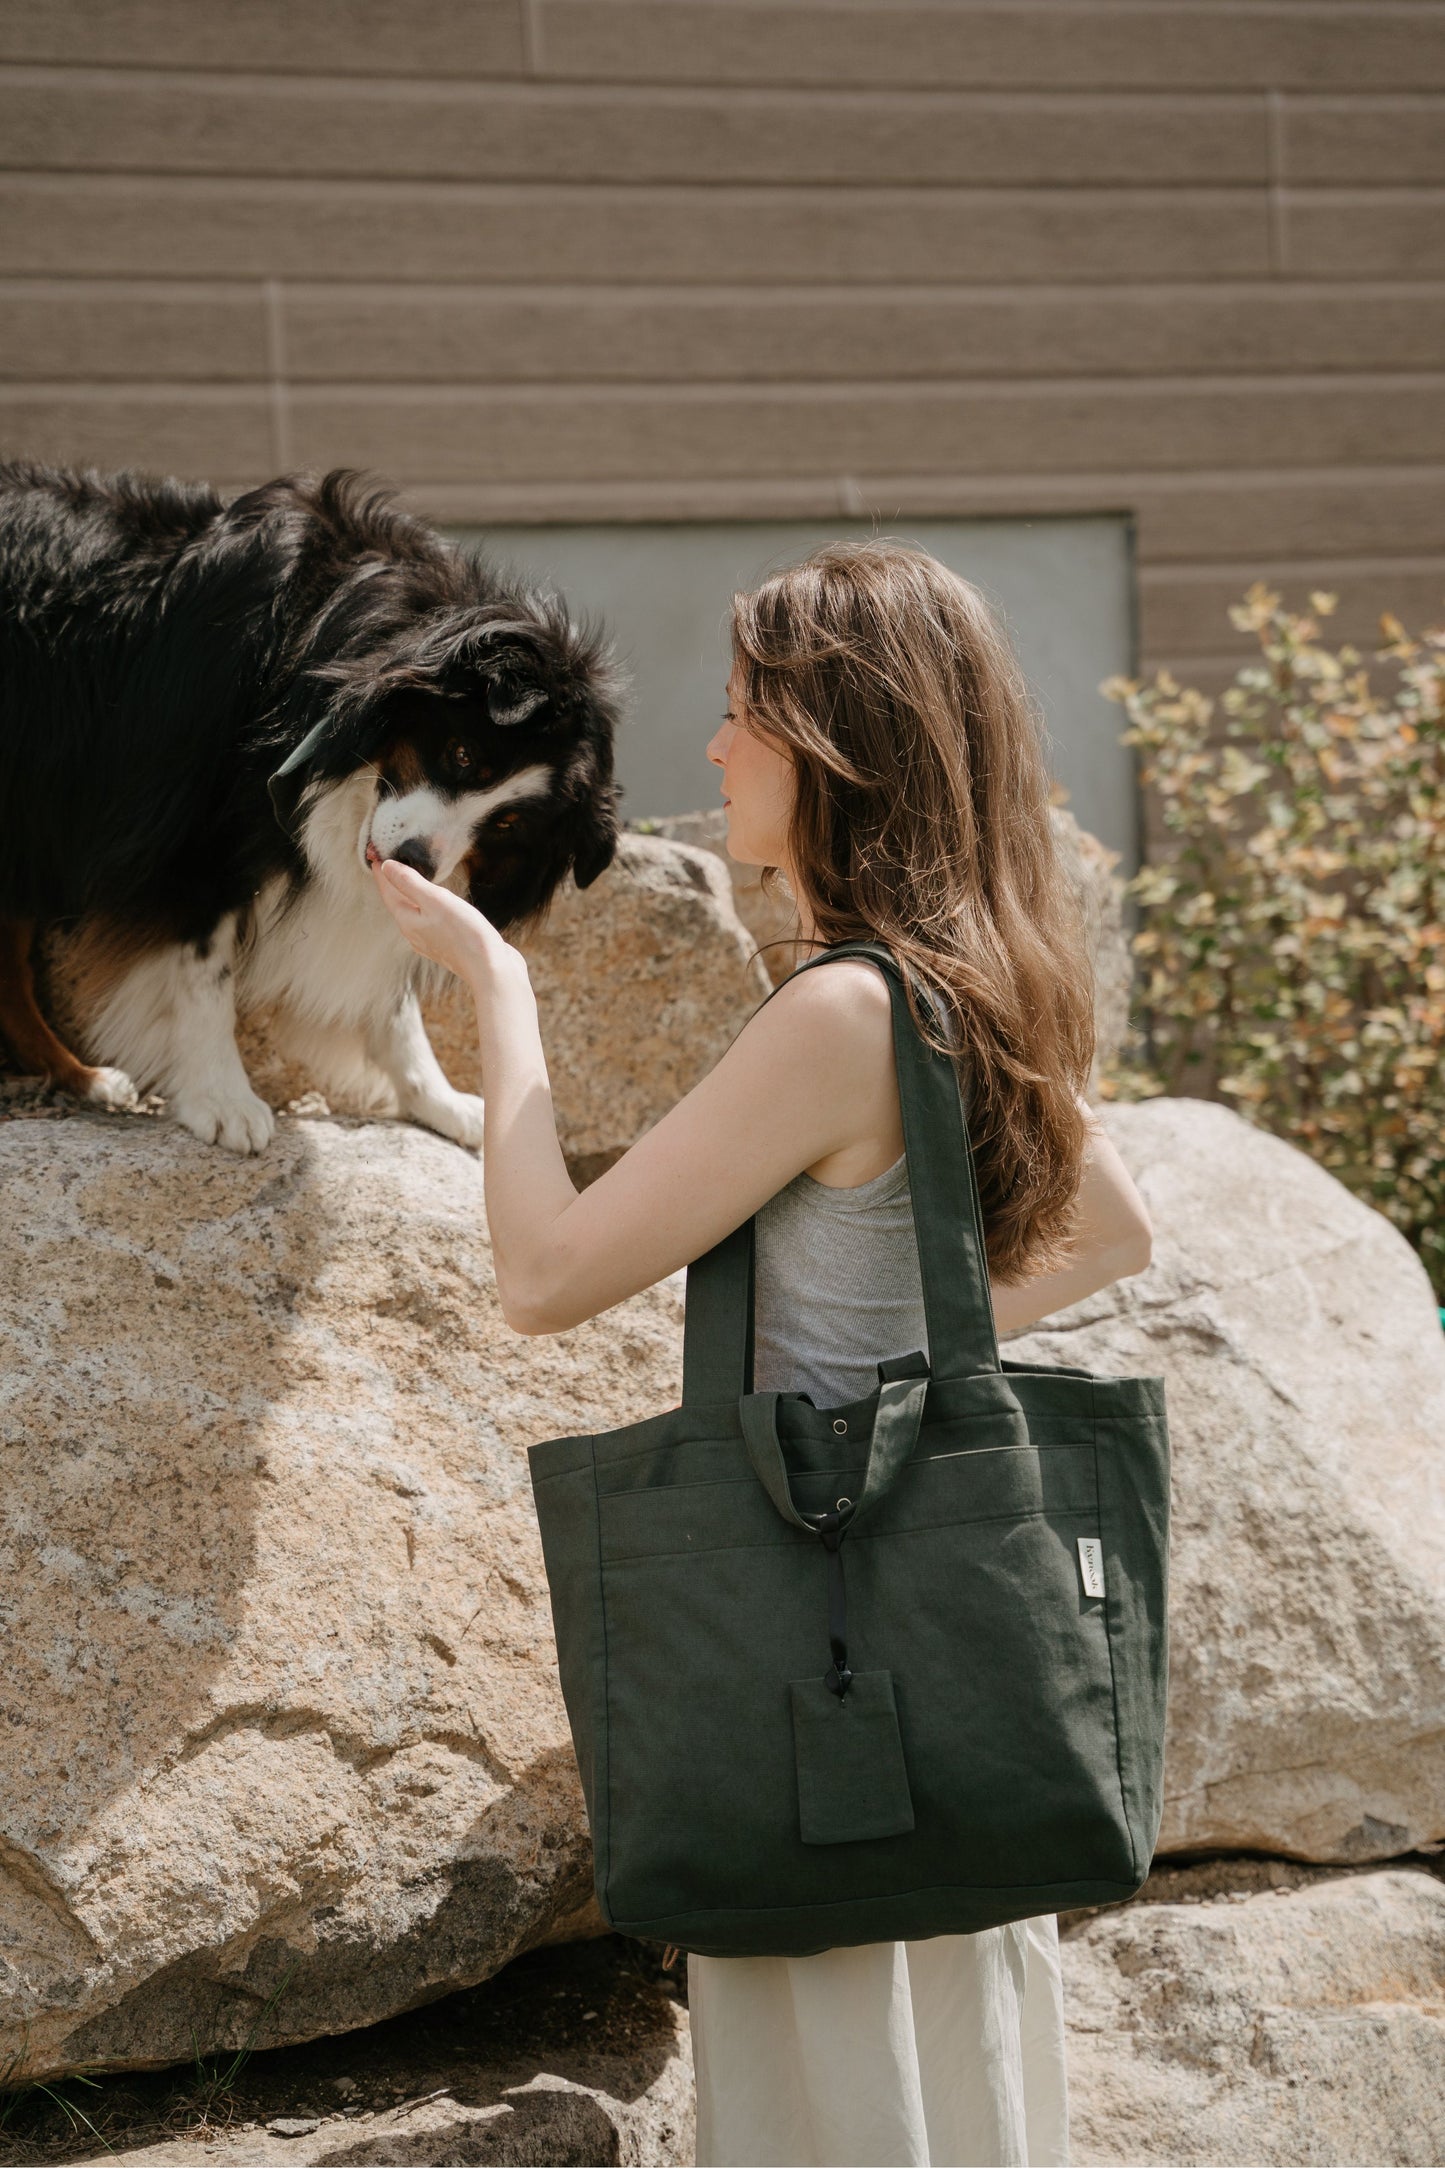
pixel 543 2123
pixel 145 1307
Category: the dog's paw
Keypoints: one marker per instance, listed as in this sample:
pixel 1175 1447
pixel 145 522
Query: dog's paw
pixel 459 1117
pixel 240 1122
pixel 111 1088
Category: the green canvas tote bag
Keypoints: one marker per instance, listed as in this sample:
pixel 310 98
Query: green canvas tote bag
pixel 875 1672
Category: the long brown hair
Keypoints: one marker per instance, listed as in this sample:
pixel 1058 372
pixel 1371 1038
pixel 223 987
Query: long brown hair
pixel 921 819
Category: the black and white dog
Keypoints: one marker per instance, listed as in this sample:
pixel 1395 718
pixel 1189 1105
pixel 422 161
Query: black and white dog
pixel 212 717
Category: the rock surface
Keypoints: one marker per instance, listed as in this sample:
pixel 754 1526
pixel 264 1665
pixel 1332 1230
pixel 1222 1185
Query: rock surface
pixel 279 1697
pixel 769 914
pixel 643 981
pixel 1304 2026
pixel 577 2054
pixel 1306 1388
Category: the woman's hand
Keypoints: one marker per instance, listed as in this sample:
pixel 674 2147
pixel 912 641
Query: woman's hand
pixel 439 925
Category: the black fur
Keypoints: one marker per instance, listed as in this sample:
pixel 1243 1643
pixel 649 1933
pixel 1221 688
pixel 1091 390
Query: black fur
pixel 162 652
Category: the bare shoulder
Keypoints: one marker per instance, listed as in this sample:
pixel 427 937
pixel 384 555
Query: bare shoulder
pixel 842 1012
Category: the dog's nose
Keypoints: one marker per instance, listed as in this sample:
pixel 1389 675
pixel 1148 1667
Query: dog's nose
pixel 418 855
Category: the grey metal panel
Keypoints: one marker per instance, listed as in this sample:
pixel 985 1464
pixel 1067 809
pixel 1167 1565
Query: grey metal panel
pixel 1065 587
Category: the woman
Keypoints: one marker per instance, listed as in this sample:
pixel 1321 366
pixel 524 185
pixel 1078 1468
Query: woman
pixel 879 749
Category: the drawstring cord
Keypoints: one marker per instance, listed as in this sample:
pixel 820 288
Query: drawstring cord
pixel 831 1528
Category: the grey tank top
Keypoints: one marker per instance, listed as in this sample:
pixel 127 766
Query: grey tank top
pixel 838 1286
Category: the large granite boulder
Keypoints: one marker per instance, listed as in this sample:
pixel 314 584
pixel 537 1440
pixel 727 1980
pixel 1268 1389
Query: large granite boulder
pixel 279 1698
pixel 770 915
pixel 1303 2026
pixel 1301 1344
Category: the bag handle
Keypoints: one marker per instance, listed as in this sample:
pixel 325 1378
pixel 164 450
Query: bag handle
pixel 947 1220
pixel 898 1413
pixel 895 1434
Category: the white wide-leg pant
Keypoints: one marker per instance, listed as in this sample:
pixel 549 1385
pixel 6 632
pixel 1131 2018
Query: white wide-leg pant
pixel 947 2053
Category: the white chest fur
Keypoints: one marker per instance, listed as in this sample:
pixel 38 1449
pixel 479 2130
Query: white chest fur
pixel 327 956
pixel 329 951
pixel 330 960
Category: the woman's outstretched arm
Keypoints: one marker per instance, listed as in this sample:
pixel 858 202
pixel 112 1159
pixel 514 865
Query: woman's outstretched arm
pixel 811 1074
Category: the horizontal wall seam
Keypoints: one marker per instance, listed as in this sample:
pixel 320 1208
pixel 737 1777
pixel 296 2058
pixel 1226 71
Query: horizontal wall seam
pixel 509 193
pixel 733 194
pixel 543 90
pixel 1062 493
pixel 694 393
pixel 758 383
pixel 556 90
pixel 623 294
pixel 1156 481
pixel 838 188
pixel 562 76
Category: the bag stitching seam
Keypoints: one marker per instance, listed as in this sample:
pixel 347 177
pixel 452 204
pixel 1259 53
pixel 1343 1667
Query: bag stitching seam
pixel 984 1415
pixel 892 1896
pixel 846 1468
pixel 602 1855
pixel 921 1528
pixel 1113 1675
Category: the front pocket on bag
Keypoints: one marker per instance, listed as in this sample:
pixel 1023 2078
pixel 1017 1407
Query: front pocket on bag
pixel 727 1512
pixel 852 1780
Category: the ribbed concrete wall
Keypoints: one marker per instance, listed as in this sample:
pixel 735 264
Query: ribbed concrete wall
pixel 712 258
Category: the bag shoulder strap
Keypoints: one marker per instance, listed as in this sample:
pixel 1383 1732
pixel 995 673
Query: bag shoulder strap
pixel 948 1222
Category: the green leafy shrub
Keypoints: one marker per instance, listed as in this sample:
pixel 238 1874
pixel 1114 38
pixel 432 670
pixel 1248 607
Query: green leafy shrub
pixel 1290 943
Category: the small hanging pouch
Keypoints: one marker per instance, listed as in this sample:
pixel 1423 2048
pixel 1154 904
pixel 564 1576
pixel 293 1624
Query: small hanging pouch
pixel 852 1782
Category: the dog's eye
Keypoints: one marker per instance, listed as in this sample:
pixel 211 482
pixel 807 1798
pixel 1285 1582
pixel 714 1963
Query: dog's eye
pixel 506 820
pixel 460 756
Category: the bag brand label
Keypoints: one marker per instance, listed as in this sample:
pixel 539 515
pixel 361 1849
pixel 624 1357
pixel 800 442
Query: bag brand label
pixel 1091 1565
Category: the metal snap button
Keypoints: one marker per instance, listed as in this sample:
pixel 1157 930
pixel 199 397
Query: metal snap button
pixel 841 1505
pixel 839 1425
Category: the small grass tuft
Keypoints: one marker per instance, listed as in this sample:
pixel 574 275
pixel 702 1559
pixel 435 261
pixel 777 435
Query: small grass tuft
pixel 209 2100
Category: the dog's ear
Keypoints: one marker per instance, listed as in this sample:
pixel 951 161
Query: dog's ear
pixel 520 676
pixel 510 699
pixel 503 660
pixel 589 829
pixel 594 838
pixel 583 830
